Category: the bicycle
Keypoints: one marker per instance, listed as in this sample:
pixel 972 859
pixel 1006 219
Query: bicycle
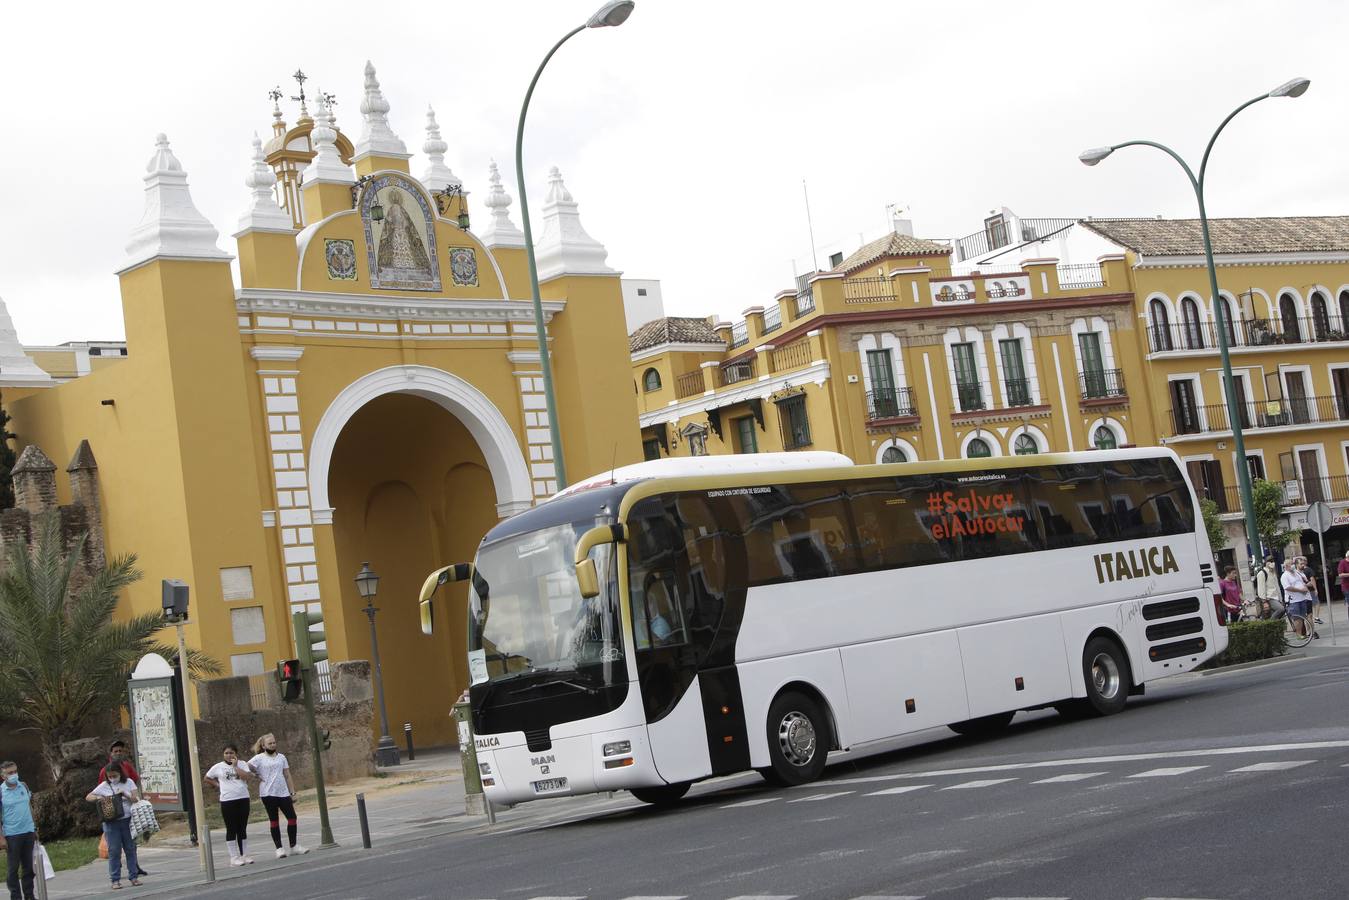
pixel 1291 638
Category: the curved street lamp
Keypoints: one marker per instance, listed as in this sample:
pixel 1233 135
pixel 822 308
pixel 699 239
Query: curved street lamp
pixel 609 15
pixel 1294 88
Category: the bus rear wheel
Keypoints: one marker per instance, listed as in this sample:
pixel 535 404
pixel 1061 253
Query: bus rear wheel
pixel 798 740
pixel 665 795
pixel 984 726
pixel 1105 669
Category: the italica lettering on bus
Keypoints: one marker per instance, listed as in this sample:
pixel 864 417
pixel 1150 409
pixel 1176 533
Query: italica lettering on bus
pixel 1139 563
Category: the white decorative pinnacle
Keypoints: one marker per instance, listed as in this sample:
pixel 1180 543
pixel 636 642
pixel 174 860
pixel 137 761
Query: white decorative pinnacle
pixel 16 366
pixel 437 175
pixel 501 231
pixel 326 167
pixel 171 226
pixel 564 248
pixel 263 213
pixel 377 138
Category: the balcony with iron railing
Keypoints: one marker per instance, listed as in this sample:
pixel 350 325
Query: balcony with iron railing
pixel 1016 392
pixel 690 384
pixel 772 318
pixel 736 372
pixel 791 356
pixel 1101 384
pixel 1080 275
pixel 869 290
pixel 1272 333
pixel 1296 492
pixel 1214 418
pixel 890 403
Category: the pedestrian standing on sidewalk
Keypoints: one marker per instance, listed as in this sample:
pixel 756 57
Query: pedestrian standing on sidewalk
pixel 1299 598
pixel 18 837
pixel 119 753
pixel 230 777
pixel 114 797
pixel 1305 571
pixel 1342 573
pixel 277 793
pixel 1267 590
pixel 1231 588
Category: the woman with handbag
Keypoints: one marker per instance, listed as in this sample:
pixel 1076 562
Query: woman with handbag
pixel 114 798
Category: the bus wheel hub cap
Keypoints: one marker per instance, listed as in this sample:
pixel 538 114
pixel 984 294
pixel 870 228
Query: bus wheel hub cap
pixel 1105 676
pixel 796 735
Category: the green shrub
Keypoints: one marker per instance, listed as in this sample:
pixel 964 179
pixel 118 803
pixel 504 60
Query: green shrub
pixel 1249 641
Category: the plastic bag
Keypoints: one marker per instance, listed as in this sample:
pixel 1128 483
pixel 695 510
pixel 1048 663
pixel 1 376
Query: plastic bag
pixel 48 873
pixel 103 847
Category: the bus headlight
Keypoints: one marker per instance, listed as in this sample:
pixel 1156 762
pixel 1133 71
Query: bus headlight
pixel 617 747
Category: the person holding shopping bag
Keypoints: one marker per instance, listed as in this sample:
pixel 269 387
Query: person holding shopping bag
pixel 114 798
pixel 229 776
pixel 277 793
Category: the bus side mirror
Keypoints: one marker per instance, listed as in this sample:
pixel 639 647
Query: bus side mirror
pixel 587 576
pixel 456 572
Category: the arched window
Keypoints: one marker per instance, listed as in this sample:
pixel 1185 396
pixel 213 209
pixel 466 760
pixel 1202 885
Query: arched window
pixel 1320 317
pixel 1229 321
pixel 1189 319
pixel 894 455
pixel 978 449
pixel 1025 445
pixel 1160 328
pixel 1104 438
pixel 1292 329
pixel 1344 311
pixel 650 380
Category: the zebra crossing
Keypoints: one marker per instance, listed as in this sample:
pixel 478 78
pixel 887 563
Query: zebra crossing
pixel 796 897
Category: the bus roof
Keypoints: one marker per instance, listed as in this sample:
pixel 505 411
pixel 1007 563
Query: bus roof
pixel 693 466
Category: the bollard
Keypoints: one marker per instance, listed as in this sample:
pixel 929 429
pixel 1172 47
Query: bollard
pixel 407 732
pixel 365 823
pixel 475 801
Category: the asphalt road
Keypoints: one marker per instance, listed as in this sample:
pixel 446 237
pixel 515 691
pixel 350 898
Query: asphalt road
pixel 1223 786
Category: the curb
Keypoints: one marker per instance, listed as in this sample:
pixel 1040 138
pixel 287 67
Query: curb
pixel 1237 667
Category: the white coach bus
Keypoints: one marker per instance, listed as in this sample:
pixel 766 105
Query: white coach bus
pixel 651 628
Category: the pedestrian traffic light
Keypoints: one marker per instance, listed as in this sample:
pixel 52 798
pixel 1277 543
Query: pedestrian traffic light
pixel 289 679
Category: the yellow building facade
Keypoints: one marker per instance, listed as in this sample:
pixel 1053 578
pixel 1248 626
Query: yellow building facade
pixel 369 390
pixel 911 349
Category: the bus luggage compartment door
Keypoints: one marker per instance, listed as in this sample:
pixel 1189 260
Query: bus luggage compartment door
pixel 1014 664
pixel 904 684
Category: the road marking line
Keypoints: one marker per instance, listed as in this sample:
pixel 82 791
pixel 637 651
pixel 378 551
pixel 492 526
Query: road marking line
pixel 1168 772
pixel 1102 760
pixel 765 897
pixel 582 897
pixel 755 802
pixel 1275 766
pixel 821 797
pixel 673 897
pixel 1071 776
pixel 898 790
pixel 987 782
pixel 888 897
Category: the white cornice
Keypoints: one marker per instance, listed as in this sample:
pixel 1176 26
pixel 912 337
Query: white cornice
pixel 274 353
pixel 816 372
pixel 443 309
pixel 672 347
pixel 1192 261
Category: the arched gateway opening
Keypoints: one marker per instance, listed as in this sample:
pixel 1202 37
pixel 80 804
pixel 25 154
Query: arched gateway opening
pixel 411 485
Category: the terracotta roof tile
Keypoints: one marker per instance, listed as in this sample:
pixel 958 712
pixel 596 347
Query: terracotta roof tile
pixel 673 330
pixel 1183 237
pixel 893 244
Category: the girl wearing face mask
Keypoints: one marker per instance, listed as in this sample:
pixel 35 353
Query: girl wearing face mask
pixel 277 792
pixel 230 778
pixel 118 831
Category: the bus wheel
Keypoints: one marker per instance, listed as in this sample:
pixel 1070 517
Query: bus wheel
pixel 984 726
pixel 798 740
pixel 665 795
pixel 1106 671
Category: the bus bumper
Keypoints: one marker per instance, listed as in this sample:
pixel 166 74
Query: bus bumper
pixel 609 760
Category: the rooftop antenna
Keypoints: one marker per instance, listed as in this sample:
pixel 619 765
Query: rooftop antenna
pixel 810 226
pixel 613 465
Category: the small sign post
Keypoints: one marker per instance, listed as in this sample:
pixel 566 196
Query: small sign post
pixel 1319 519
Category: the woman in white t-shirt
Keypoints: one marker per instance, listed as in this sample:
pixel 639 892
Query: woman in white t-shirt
pixel 277 792
pixel 230 777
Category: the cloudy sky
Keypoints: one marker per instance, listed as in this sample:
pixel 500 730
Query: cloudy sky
pixel 686 133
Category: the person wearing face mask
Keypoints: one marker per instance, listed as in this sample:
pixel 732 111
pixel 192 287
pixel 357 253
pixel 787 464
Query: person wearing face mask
pixel 117 830
pixel 1267 590
pixel 18 837
pixel 230 778
pixel 277 793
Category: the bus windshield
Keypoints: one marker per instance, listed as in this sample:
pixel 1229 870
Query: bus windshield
pixel 527 616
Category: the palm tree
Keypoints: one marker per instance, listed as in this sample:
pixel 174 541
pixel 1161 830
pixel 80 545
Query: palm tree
pixel 64 661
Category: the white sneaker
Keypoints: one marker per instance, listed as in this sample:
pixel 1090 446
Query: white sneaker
pixel 237 861
pixel 297 850
pixel 281 853
pixel 248 860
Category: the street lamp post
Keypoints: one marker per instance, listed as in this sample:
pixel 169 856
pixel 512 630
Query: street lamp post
pixel 611 14
pixel 1294 88
pixel 367 582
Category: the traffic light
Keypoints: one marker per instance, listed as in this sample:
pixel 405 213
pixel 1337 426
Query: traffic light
pixel 325 739
pixel 308 632
pixel 174 598
pixel 289 679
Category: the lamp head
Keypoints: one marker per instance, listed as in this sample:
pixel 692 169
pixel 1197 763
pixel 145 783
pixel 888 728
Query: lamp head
pixel 1093 156
pixel 611 14
pixel 367 582
pixel 1295 88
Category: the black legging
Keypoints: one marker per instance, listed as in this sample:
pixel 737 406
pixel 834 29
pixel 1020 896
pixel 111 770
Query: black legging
pixel 235 814
pixel 284 805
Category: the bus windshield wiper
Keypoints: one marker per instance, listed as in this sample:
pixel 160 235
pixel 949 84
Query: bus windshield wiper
pixel 589 689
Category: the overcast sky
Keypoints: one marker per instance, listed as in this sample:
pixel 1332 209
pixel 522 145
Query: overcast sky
pixel 685 134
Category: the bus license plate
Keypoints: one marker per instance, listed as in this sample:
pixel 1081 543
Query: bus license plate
pixel 550 784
